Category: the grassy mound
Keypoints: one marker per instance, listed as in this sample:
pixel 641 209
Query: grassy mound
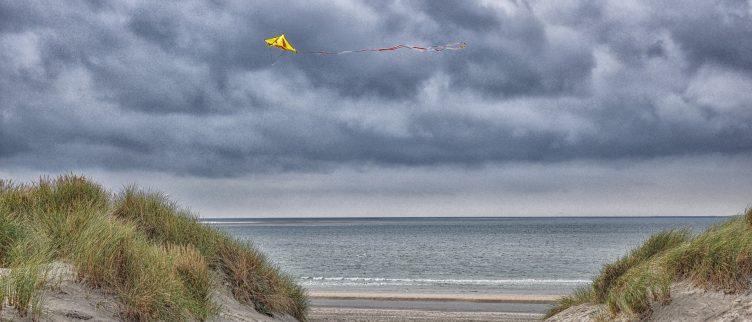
pixel 719 259
pixel 157 258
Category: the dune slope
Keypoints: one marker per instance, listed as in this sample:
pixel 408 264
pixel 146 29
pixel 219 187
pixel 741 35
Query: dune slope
pixel 673 275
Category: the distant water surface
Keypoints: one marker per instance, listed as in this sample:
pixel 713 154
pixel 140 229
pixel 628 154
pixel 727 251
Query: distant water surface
pixel 450 255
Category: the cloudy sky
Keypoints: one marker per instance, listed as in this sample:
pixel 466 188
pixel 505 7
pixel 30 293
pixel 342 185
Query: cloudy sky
pixel 561 107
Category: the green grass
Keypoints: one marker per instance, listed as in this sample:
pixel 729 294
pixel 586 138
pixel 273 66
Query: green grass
pixel 718 259
pixel 9 235
pixel 157 258
pixel 635 292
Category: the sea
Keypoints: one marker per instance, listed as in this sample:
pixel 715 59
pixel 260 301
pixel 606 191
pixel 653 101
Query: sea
pixel 534 256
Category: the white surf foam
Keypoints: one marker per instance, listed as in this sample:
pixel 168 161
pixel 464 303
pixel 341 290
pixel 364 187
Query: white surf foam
pixel 319 280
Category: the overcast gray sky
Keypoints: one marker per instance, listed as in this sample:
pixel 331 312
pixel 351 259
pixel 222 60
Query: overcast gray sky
pixel 555 108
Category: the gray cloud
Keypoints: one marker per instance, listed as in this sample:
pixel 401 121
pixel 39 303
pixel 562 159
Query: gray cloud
pixel 188 87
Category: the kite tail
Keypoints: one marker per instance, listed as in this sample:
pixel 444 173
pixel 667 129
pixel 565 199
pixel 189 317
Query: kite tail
pixel 436 48
pixel 277 59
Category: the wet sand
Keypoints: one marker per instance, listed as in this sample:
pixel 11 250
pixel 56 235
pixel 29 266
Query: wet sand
pixel 348 314
pixel 360 306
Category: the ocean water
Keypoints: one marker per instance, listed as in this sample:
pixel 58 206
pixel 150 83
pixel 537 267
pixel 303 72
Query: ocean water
pixel 450 255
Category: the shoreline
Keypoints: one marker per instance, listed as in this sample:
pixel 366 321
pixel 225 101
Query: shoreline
pixel 476 298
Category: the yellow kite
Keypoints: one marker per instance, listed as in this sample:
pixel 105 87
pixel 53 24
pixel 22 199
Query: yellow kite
pixel 281 43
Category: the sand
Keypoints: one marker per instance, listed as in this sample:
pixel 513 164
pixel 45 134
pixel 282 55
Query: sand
pixel 361 306
pixel 351 314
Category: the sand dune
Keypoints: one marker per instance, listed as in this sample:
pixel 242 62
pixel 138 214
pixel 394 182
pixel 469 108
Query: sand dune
pixel 688 303
pixel 67 300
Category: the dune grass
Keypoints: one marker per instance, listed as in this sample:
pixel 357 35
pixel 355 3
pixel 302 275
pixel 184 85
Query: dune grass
pixel 27 259
pixel 656 244
pixel 158 259
pixel 718 259
pixel 252 278
pixel 581 295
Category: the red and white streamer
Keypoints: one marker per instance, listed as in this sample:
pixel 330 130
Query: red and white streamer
pixel 436 48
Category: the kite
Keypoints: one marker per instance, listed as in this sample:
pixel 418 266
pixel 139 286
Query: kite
pixel 282 43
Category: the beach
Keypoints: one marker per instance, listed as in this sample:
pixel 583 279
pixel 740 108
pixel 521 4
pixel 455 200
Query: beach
pixel 374 306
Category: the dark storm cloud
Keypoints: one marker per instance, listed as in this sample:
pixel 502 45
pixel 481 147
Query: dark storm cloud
pixel 717 32
pixel 187 87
